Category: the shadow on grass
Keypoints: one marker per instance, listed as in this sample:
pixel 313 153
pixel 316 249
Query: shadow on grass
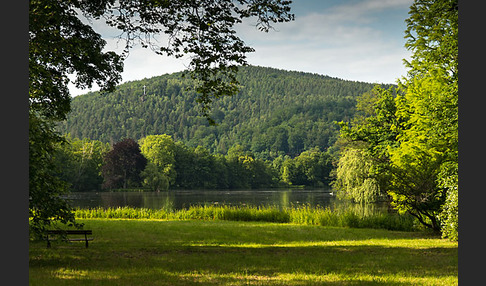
pixel 236 253
pixel 207 265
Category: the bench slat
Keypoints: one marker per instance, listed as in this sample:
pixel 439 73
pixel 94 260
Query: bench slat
pixel 80 239
pixel 72 239
pixel 69 232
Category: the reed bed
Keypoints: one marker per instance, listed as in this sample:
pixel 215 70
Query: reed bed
pixel 303 215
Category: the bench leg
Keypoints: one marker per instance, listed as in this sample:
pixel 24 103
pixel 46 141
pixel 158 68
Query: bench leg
pixel 48 242
pixel 86 238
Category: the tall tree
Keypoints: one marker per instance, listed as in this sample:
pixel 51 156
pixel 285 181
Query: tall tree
pixel 412 139
pixel 354 178
pixel 45 188
pixel 154 179
pixel 429 106
pixel 427 147
pixel 59 45
pixel 123 165
pixel 184 166
pixel 80 163
pixel 310 168
pixel 374 130
pixel 160 150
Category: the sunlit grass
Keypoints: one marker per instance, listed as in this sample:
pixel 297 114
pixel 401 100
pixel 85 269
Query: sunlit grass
pixel 415 243
pixel 145 252
pixel 75 274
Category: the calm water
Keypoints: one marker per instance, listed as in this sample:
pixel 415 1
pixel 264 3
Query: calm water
pixel 179 199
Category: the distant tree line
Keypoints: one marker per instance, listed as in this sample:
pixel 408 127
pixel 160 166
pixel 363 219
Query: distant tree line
pixel 157 163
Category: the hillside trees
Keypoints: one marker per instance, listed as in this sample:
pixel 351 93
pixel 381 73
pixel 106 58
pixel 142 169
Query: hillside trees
pixel 258 118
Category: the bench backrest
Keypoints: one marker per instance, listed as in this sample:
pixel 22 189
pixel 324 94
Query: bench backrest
pixel 77 231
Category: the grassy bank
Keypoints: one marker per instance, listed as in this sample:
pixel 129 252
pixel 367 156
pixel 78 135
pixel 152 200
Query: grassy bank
pixel 304 215
pixel 192 252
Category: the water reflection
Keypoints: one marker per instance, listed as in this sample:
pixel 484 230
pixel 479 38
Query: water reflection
pixel 175 200
pixel 179 199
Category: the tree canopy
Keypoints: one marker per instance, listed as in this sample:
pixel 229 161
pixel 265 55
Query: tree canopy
pixel 122 165
pixel 160 150
pixel 429 108
pixel 79 162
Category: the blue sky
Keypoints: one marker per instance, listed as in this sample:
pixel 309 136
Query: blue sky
pixel 358 40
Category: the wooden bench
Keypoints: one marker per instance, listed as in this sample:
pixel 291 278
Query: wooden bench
pixel 65 233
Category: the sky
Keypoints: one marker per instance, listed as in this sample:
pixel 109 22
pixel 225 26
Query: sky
pixel 360 40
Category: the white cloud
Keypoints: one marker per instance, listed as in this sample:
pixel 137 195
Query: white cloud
pixel 369 63
pixel 141 62
pixel 346 41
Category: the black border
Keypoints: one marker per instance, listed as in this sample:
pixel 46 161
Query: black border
pixel 471 142
pixel 14 160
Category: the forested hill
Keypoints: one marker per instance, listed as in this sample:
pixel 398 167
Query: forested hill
pixel 275 112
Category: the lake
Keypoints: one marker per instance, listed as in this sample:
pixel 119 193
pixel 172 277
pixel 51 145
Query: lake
pixel 179 199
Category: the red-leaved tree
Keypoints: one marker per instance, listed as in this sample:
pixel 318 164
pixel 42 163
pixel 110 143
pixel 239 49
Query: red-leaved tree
pixel 122 165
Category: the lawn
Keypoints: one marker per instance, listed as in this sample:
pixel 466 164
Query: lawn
pixel 192 252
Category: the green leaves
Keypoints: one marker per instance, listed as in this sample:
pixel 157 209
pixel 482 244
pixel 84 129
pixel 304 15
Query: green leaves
pixel 432 36
pixel 45 188
pixel 354 177
pixel 154 179
pixel 310 168
pixel 80 163
pixel 160 151
pixel 60 45
pixel 413 138
pixel 429 107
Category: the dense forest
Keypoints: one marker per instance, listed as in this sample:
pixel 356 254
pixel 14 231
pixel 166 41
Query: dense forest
pixel 275 113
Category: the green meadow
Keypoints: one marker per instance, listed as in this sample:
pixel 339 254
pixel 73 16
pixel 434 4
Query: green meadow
pixel 218 252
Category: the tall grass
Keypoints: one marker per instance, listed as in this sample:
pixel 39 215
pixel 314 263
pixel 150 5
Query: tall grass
pixel 121 213
pixel 303 215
